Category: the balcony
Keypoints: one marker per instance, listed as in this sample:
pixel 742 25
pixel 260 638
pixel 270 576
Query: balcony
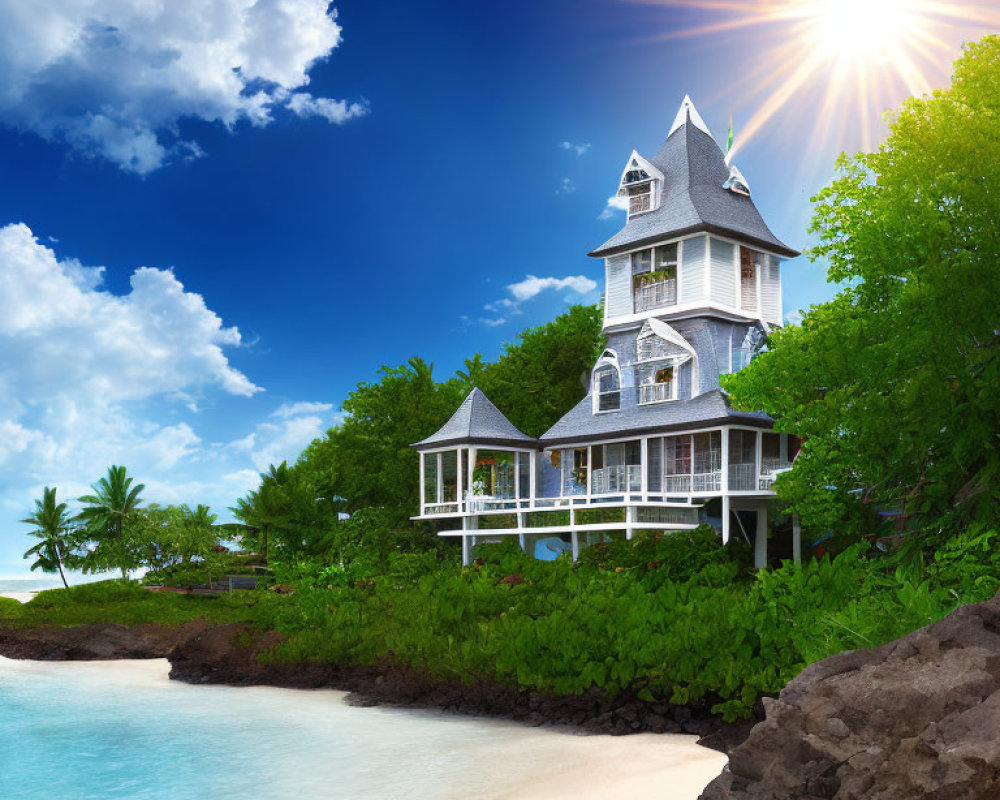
pixel 637 203
pixel 770 468
pixel 656 392
pixel 617 480
pixel 655 295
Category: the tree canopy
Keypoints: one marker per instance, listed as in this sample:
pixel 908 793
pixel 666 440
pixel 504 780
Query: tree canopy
pixel 894 383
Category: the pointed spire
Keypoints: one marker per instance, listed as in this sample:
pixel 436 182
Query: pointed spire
pixel 477 420
pixel 687 113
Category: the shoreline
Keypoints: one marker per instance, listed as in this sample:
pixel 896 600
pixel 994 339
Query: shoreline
pixel 587 767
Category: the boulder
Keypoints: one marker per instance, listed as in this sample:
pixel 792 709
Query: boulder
pixel 918 717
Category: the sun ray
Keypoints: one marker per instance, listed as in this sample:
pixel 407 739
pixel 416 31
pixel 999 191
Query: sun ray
pixel 848 60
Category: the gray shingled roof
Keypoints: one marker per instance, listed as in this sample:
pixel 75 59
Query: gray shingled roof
pixel 693 199
pixel 581 424
pixel 477 421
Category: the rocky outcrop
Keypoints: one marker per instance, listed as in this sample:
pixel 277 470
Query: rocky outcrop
pixel 94 642
pixel 916 718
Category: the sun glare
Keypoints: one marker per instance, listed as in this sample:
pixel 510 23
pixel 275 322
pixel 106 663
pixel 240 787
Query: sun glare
pixel 843 61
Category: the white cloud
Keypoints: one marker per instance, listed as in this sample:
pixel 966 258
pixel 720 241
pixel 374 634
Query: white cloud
pixel 579 149
pixel 272 443
pixel 286 410
pixel 793 318
pixel 112 78
pixel 566 187
pixel 613 206
pixel 528 289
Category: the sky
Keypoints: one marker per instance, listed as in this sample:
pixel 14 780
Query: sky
pixel 216 219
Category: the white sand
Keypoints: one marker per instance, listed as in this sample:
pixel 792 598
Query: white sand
pixel 21 597
pixel 523 763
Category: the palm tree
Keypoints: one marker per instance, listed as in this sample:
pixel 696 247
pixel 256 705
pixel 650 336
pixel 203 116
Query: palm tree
pixel 109 508
pixel 51 523
pixel 475 369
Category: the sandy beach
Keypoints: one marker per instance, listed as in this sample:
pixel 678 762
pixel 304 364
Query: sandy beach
pixel 518 762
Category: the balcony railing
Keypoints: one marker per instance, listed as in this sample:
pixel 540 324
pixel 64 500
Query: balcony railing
pixel 617 480
pixel 655 392
pixel 637 203
pixel 742 477
pixel 769 470
pixel 656 295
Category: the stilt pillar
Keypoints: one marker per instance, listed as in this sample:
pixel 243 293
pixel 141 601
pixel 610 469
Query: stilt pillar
pixel 725 519
pixel 760 540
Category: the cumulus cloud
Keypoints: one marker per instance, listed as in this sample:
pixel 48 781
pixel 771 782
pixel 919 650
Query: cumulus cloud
pixel 89 379
pixel 528 289
pixel 578 148
pixel 793 318
pixel 112 78
pixel 613 206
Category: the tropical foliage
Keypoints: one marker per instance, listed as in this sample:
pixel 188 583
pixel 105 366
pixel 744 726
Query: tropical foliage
pixel 52 527
pixel 894 382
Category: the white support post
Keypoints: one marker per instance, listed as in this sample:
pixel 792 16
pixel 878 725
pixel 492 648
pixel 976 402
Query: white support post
pixel 517 479
pixel 471 467
pixel 644 468
pixel 575 538
pixel 423 497
pixel 629 519
pixel 531 479
pixel 724 483
pixel 459 482
pixel 760 539
pixel 725 517
pixel 796 539
pixel 440 478
pixel 590 472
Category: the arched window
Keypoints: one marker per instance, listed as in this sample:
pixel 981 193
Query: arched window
pixel 607 383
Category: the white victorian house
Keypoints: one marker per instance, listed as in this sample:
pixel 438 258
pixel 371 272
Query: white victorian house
pixel 692 287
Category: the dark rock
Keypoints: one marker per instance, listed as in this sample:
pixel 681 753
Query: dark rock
pixel 915 718
pixel 95 642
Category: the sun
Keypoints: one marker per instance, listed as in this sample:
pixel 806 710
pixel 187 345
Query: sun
pixel 841 62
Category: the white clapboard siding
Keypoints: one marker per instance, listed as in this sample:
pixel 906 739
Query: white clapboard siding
pixel 723 273
pixel 692 270
pixel 618 300
pixel 770 291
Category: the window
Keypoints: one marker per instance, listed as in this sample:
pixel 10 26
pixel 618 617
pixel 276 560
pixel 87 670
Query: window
pixel 654 277
pixel 607 386
pixel 751 262
pixel 642 262
pixel 640 183
pixel 656 383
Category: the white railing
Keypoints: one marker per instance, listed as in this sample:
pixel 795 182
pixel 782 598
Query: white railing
pixel 655 392
pixel 440 508
pixel 637 203
pixel 677 484
pixel 769 470
pixel 656 295
pixel 706 481
pixel 483 502
pixel 742 477
pixel 615 480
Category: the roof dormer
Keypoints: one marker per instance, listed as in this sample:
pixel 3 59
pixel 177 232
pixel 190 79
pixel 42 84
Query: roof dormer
pixel 642 184
pixel 736 182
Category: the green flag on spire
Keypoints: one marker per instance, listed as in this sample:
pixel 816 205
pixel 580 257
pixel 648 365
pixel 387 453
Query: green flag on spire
pixel 729 141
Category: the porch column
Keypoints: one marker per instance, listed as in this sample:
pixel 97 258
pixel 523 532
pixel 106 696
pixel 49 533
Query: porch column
pixel 796 539
pixel 725 516
pixel 644 468
pixel 458 481
pixel 471 468
pixel 422 479
pixel 760 540
pixel 465 551
pixel 440 478
pixel 531 479
pixel 590 472
pixel 575 538
pixel 629 519
pixel 724 483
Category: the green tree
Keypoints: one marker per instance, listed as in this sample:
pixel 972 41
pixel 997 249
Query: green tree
pixel 895 382
pixel 51 523
pixel 105 517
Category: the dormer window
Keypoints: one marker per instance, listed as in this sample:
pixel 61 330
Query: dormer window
pixel 607 383
pixel 660 352
pixel 736 182
pixel 657 384
pixel 641 183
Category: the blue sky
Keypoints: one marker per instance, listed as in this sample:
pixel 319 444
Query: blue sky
pixel 364 188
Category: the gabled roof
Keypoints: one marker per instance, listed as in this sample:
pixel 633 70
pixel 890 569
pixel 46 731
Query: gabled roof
pixel 693 197
pixel 477 421
pixel 708 409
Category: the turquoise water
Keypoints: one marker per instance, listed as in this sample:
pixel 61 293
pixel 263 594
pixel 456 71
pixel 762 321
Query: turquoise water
pixel 120 730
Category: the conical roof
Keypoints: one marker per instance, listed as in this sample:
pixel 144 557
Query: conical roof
pixel 693 198
pixel 477 421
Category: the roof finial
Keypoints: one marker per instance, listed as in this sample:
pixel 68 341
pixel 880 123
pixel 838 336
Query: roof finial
pixel 687 113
